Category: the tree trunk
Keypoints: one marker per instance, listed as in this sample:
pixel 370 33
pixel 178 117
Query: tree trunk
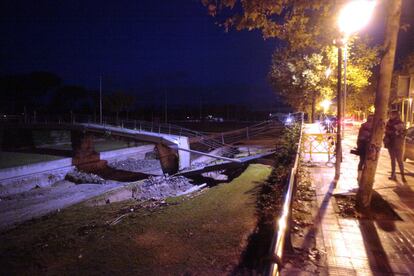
pixel 381 105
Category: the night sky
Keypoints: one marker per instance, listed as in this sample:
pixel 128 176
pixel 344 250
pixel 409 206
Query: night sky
pixel 147 47
pixel 144 47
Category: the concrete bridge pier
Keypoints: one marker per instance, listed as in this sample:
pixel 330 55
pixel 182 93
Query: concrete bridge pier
pixel 173 160
pixel 184 160
pixel 84 154
pixel 168 159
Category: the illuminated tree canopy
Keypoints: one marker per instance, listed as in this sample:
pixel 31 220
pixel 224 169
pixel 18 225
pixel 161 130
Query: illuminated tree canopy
pixel 299 23
pixel 307 30
pixel 302 79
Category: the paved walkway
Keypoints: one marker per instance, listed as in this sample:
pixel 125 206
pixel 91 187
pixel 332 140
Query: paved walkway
pixel 360 246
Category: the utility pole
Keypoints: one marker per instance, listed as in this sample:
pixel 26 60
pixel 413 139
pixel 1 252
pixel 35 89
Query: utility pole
pixel 100 99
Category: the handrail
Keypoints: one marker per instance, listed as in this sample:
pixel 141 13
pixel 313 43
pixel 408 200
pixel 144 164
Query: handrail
pixel 278 242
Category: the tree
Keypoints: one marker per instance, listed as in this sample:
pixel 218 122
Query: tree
pixel 381 104
pixel 26 91
pixel 301 24
pixel 119 102
pixel 68 98
pixel 301 78
pixel 307 30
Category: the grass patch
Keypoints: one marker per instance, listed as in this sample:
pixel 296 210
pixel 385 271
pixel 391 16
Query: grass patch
pixel 13 159
pixel 202 235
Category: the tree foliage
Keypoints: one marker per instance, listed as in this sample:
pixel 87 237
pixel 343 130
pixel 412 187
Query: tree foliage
pixel 307 30
pixel 119 102
pixel 301 24
pixel 26 90
pixel 302 79
pixel 69 98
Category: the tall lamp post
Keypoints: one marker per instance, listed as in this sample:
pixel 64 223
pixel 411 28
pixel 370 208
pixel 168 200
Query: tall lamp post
pixel 352 17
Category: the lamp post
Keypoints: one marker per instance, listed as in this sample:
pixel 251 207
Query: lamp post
pixel 338 148
pixel 352 17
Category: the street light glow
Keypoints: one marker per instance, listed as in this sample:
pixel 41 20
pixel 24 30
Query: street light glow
pixel 328 72
pixel 325 104
pixel 355 15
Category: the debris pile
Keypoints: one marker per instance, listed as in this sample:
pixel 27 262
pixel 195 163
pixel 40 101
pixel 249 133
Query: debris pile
pixel 136 165
pixel 161 187
pixel 79 177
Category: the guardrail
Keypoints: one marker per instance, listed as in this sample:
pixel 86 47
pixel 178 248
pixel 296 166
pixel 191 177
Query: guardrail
pixel 284 221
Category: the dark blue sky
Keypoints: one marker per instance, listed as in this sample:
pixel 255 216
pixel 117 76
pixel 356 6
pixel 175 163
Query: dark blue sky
pixel 147 47
pixel 139 45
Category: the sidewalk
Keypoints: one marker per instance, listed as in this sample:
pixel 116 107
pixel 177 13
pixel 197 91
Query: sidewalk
pixel 353 246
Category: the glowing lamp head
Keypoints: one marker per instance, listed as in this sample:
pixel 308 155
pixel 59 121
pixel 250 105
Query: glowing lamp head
pixel 355 15
pixel 325 104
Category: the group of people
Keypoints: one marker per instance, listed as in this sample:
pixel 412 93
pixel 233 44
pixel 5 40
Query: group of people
pixel 394 141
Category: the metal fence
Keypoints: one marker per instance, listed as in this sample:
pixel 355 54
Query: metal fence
pixel 316 144
pixel 284 221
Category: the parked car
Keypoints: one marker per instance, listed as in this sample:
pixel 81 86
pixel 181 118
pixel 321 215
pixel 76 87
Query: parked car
pixel 409 144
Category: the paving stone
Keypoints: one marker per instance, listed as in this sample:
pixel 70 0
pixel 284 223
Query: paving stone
pixel 360 246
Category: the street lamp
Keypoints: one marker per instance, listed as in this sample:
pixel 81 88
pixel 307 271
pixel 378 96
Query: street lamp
pixel 325 104
pixel 354 16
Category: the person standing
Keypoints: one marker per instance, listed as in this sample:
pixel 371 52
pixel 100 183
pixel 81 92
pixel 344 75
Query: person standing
pixel 364 136
pixel 394 141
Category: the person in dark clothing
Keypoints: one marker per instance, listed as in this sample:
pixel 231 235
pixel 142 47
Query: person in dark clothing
pixel 364 136
pixel 394 140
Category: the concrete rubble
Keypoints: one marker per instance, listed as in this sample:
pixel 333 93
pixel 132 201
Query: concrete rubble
pixel 161 187
pixel 79 177
pixel 136 165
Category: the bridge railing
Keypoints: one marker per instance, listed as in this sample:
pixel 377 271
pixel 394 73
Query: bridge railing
pixel 209 141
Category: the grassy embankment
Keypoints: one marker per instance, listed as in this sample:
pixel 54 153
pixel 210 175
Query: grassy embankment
pixel 205 234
